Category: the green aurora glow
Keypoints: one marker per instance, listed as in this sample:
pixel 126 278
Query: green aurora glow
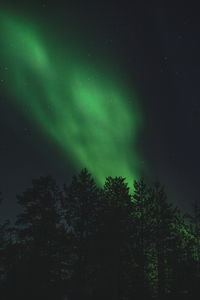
pixel 82 108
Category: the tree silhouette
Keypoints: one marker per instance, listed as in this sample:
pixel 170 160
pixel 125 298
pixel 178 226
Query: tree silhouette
pixel 192 250
pixel 116 203
pixel 142 235
pixel 81 208
pixel 164 216
pixel 38 233
pixel 84 242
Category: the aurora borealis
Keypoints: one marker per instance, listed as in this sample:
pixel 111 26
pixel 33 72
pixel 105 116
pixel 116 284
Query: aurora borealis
pixel 83 108
pixel 110 86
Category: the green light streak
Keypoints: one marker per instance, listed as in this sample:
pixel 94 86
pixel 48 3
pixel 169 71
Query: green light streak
pixel 83 110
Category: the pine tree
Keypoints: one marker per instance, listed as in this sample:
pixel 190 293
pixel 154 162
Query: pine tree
pixel 39 235
pixel 192 248
pixel 116 206
pixel 142 238
pixel 81 209
pixel 164 218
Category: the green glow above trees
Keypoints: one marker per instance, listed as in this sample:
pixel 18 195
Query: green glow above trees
pixel 82 108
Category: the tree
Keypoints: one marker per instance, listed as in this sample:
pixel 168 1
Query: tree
pixel 142 220
pixel 192 249
pixel 4 240
pixel 81 208
pixel 116 202
pixel 39 237
pixel 164 216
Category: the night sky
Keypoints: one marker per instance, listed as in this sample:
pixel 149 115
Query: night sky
pixel 113 87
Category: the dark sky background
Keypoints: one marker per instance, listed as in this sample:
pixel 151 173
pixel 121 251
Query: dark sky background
pixel 157 48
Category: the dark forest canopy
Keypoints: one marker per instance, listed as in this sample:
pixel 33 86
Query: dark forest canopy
pixel 85 242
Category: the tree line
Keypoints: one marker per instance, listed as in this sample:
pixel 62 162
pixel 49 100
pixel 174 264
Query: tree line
pixel 85 242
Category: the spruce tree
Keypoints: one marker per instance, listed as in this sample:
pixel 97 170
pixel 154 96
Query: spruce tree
pixel 39 236
pixel 81 208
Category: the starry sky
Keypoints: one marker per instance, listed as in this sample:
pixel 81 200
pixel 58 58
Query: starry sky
pixel 130 68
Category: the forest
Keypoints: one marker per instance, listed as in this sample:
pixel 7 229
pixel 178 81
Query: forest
pixel 80 241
